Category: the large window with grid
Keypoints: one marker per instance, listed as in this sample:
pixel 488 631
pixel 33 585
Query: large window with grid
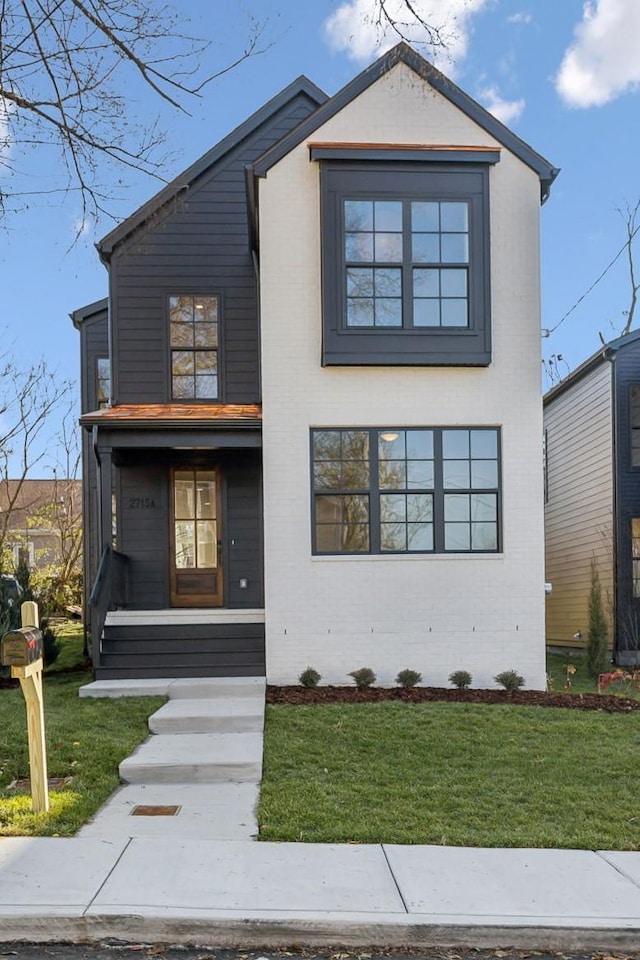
pixel 193 335
pixel 405 264
pixel 406 490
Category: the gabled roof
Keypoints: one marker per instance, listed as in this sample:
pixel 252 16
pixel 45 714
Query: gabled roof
pixel 82 314
pixel 188 176
pixel 403 53
pixel 606 352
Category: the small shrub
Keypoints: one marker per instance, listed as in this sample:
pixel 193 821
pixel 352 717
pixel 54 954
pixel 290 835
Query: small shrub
pixel 364 677
pixel 51 645
pixel 408 678
pixel 598 633
pixel 461 679
pixel 309 677
pixel 510 680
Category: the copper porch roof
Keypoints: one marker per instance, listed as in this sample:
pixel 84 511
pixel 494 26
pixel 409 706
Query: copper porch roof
pixel 176 415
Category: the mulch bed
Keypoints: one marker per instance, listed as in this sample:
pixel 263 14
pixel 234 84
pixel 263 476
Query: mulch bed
pixel 306 696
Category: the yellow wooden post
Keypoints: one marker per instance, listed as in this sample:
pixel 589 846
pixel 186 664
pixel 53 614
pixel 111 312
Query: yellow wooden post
pixel 31 682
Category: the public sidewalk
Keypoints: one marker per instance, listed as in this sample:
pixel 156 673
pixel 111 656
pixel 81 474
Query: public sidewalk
pixel 198 877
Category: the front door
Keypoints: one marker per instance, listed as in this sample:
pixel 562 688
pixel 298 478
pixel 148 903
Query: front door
pixel 196 572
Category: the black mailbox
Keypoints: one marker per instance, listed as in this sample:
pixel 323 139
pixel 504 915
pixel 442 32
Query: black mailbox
pixel 22 647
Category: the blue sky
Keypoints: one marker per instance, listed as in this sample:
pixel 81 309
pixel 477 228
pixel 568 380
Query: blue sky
pixel 565 75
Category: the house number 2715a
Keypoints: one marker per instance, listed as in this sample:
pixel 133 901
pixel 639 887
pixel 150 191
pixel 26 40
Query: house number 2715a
pixel 141 503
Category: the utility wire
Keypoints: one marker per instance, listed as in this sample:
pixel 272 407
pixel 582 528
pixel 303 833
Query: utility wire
pixel 595 282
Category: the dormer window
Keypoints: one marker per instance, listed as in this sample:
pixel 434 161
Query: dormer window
pixel 193 322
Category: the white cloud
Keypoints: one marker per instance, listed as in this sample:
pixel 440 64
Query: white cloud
pixel 520 18
pixel 507 111
pixel 603 61
pixel 359 29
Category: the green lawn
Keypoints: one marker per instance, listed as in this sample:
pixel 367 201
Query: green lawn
pixel 581 682
pixel 86 740
pixel 458 774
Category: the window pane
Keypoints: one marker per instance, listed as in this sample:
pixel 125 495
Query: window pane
pixel 425 247
pixel 454 248
pixel 360 282
pixel 181 309
pixel 326 445
pixel 454 313
pixel 456 507
pixel 393 507
pixel 426 283
pixel 484 443
pixel 206 310
pixel 419 507
pixel 388 247
pixel 454 216
pixel 206 335
pixel 355 444
pixel 185 544
pixel 329 538
pixel 328 475
pixel 391 444
pixel 359 313
pixel 457 536
pixel 358 215
pixel 419 474
pixel 206 387
pixel 392 474
pixel 206 361
pixel 484 536
pixel 355 475
pixel 420 444
pixel 182 334
pixel 455 443
pixel 355 538
pixel 184 494
pixel 207 552
pixel 328 509
pixel 183 388
pixel 205 499
pixel 388 215
pixel 358 246
pixel 420 536
pixel 425 216
pixel 388 312
pixel 453 283
pixel 426 313
pixel 388 283
pixel 393 536
pixel 182 362
pixel 484 473
pixel 455 474
pixel 484 506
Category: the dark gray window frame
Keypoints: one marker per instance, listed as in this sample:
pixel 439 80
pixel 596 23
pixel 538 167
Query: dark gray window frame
pixel 417 346
pixel 184 290
pixel 438 493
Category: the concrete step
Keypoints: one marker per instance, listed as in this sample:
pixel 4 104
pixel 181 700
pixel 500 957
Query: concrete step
pixel 195 758
pixel 201 688
pixel 222 715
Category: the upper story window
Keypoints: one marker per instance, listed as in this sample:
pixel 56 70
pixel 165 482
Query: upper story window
pixel 103 382
pixel 634 422
pixel 406 264
pixel 406 490
pixel 193 322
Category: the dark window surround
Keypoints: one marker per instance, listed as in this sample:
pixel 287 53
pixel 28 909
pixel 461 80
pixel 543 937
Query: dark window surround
pixel 423 346
pixel 186 290
pixel 634 425
pixel 375 488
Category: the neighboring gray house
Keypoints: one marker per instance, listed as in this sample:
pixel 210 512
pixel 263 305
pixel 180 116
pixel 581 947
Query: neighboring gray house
pixel 592 486
pixel 322 441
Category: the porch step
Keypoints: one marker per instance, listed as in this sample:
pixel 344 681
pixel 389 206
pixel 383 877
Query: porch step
pixel 223 715
pixel 195 758
pixel 191 669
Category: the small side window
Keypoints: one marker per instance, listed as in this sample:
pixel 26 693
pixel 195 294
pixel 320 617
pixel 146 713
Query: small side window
pixel 103 382
pixel 634 423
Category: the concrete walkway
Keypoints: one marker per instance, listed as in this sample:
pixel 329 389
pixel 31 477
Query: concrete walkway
pixel 172 881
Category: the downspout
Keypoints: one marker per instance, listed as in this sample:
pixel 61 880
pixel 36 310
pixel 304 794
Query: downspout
pixel 96 453
pixel 611 357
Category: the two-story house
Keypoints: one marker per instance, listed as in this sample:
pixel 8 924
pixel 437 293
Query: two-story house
pixel 321 443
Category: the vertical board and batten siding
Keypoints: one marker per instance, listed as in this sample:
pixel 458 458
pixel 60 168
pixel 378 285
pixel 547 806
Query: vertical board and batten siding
pixel 94 343
pixel 198 245
pixel 626 374
pixel 580 504
pixel 144 528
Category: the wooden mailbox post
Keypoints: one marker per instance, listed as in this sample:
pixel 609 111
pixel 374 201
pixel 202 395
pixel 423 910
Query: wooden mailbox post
pixel 22 650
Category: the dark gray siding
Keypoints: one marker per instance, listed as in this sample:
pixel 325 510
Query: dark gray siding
pixel 199 245
pixel 143 533
pixel 627 373
pixel 243 534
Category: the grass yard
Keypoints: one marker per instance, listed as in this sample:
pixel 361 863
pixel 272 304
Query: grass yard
pixel 86 740
pixel 448 773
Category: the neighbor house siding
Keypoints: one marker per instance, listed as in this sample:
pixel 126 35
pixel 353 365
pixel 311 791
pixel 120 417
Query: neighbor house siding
pixel 580 504
pixel 433 613
pixel 199 245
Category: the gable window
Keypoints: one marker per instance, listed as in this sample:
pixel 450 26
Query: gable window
pixel 634 422
pixel 193 322
pixel 409 490
pixel 103 382
pixel 405 261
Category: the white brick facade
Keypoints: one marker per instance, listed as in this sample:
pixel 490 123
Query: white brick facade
pixel 433 613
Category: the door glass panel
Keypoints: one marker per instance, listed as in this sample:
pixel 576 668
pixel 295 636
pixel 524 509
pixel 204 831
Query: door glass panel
pixel 184 500
pixel 195 521
pixel 207 553
pixel 185 544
